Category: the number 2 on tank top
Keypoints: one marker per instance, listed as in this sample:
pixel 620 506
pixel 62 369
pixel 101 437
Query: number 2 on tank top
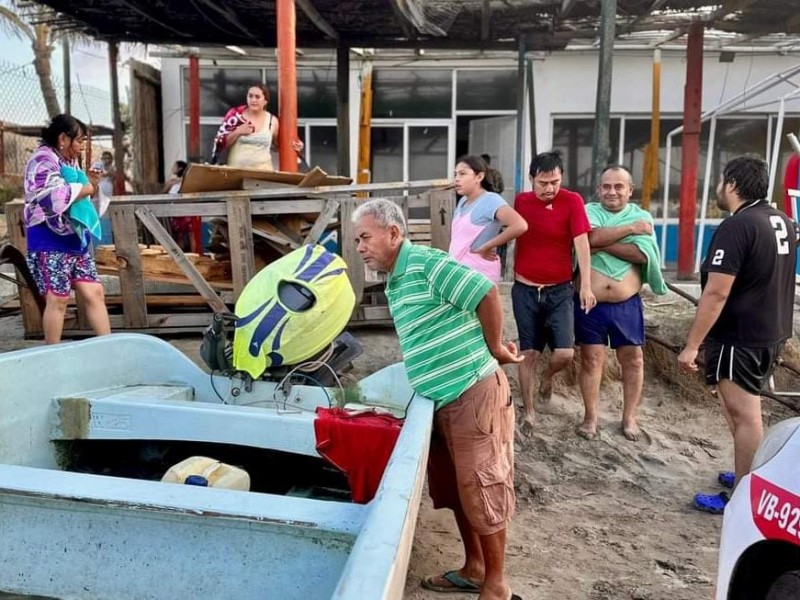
pixel 781 234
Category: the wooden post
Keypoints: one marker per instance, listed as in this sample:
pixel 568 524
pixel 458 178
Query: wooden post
pixel 240 240
pixel 690 150
pixel 129 261
pixel 119 151
pixel 363 174
pixel 355 266
pixel 600 146
pixel 443 203
pixel 650 179
pixel 287 84
pixel 2 148
pixel 67 63
pixel 531 107
pixel 31 316
pixel 325 216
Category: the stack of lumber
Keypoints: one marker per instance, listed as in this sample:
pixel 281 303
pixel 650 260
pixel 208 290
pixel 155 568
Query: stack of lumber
pixel 158 265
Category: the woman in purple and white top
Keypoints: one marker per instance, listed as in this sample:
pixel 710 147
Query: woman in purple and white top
pixel 59 257
pixel 482 220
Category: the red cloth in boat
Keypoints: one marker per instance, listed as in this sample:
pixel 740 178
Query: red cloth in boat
pixel 359 445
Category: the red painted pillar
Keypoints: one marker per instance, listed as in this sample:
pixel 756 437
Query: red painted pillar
pixel 690 150
pixel 194 109
pixel 287 84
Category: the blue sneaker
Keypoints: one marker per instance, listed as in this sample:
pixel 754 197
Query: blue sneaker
pixel 727 479
pixel 711 503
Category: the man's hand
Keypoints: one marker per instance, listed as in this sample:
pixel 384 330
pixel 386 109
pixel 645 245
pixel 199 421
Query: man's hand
pixel 588 301
pixel 687 359
pixel 489 254
pixel 506 353
pixel 642 228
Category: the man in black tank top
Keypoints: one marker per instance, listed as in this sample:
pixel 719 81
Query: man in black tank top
pixel 745 311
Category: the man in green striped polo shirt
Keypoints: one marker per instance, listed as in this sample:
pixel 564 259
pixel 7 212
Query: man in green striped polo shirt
pixel 449 320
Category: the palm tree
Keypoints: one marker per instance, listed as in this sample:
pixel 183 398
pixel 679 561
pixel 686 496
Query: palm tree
pixel 42 38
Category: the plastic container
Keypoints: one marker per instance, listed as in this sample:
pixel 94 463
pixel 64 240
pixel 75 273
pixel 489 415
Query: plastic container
pixel 217 474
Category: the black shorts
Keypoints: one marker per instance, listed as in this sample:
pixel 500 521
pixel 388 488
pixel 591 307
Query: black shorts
pixel 544 315
pixel 749 368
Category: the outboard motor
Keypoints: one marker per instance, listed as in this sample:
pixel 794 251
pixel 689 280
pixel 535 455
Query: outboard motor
pixel 292 312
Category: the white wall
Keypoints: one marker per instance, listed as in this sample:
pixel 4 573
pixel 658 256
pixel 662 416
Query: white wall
pixel 564 84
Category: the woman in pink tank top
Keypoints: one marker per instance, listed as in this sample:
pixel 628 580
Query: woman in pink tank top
pixel 482 221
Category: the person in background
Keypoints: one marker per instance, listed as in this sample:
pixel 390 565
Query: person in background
pixel 107 173
pixel 183 228
pixel 482 220
pixel 249 133
pixel 542 293
pixel 59 258
pixel 449 320
pixel 495 176
pixel 173 184
pixel 624 256
pixel 746 308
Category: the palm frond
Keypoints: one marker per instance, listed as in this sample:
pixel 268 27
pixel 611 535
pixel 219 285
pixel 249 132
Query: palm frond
pixel 13 24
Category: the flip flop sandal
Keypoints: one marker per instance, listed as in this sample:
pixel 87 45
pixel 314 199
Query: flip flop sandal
pixel 459 584
pixel 727 479
pixel 711 503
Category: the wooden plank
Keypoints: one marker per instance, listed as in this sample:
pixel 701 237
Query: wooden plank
pixel 157 262
pixel 325 216
pixel 443 203
pixel 264 228
pixel 172 279
pixel 286 207
pixel 150 221
pixel 221 178
pixel 129 265
pixel 255 184
pixel 380 313
pixel 188 210
pixel 292 192
pixel 355 266
pixel 31 317
pixel 240 242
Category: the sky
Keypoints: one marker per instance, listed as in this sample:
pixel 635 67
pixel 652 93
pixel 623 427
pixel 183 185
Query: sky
pixel 19 101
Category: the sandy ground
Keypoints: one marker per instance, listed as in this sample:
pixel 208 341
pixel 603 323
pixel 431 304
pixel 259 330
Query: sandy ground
pixel 601 519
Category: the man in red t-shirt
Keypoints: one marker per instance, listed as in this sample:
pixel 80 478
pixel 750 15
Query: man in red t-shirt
pixel 542 292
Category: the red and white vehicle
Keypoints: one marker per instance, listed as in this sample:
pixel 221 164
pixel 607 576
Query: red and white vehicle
pixel 759 556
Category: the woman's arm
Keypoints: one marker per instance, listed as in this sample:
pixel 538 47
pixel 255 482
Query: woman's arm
pixel 514 225
pixel 274 127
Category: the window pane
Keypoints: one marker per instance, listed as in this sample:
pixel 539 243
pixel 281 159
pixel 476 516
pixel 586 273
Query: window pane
pixel 406 93
pixel 207 133
pixel 427 153
pixel 316 93
pixel 387 154
pixel 322 148
pixel 486 89
pixel 573 137
pixel 220 89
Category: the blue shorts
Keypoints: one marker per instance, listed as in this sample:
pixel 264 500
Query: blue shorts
pixel 611 323
pixel 543 315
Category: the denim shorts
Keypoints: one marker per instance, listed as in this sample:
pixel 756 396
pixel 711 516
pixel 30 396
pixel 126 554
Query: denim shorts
pixel 544 315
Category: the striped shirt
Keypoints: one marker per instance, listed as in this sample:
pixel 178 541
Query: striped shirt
pixel 433 300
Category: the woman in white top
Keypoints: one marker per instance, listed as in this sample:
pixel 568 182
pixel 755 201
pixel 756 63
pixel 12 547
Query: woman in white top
pixel 482 221
pixel 250 132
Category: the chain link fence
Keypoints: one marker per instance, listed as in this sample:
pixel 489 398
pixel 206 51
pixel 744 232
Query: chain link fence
pixel 21 101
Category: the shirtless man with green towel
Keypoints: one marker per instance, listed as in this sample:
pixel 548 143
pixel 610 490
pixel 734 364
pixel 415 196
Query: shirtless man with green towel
pixel 624 256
